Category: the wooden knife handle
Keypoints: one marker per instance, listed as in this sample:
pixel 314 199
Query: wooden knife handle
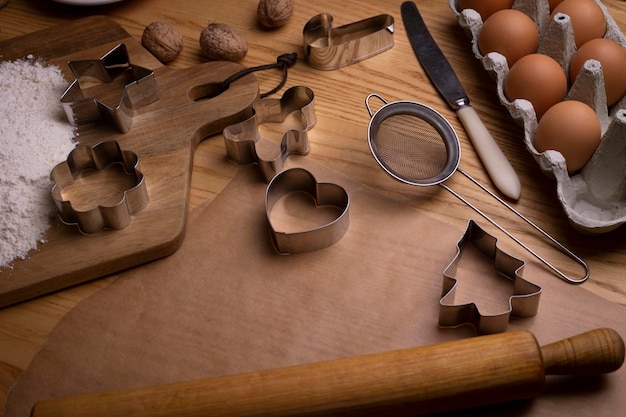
pixel 417 381
pixel 498 167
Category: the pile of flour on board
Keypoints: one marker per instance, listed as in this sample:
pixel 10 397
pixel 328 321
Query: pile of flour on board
pixel 34 136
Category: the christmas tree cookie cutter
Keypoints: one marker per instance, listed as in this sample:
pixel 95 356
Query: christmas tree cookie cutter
pixel 524 302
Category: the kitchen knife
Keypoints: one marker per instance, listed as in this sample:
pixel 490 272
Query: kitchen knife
pixel 446 82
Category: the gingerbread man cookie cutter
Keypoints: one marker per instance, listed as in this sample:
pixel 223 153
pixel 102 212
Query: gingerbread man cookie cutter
pixel 243 141
pixel 524 302
pixel 139 89
pixel 323 194
pixel 93 217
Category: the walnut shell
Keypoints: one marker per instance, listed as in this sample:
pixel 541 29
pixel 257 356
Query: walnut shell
pixel 274 13
pixel 222 42
pixel 163 40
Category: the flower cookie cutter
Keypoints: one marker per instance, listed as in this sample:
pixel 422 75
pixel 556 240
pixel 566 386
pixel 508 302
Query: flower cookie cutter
pixel 524 302
pixel 139 89
pixel 84 161
pixel 328 48
pixel 243 141
pixel 323 194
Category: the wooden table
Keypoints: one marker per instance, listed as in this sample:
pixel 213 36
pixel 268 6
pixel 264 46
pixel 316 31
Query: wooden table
pixel 340 138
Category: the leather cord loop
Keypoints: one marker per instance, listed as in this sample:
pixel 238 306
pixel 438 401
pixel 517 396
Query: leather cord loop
pixel 282 62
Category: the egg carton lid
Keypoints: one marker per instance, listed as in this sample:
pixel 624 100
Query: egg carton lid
pixel 594 198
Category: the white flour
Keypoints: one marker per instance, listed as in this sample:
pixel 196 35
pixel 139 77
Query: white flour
pixel 34 136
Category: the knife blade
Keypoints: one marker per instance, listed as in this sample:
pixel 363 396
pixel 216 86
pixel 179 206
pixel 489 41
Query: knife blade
pixel 443 77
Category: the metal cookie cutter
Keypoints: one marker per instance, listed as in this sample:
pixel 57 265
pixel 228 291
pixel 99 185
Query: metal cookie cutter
pixel 324 194
pixel 139 89
pixel 328 48
pixel 82 162
pixel 523 303
pixel 243 141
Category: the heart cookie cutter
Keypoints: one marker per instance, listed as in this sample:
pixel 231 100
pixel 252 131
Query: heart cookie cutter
pixel 243 141
pixel 324 194
pixel 523 303
pixel 84 160
pixel 328 48
pixel 139 89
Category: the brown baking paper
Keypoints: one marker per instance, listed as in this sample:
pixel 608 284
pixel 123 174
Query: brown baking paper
pixel 226 303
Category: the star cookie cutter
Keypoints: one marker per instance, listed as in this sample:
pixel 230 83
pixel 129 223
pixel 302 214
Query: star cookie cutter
pixel 243 141
pixel 84 161
pixel 139 89
pixel 328 48
pixel 523 303
pixel 323 194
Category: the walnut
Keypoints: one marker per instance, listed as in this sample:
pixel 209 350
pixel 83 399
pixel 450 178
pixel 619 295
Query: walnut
pixel 163 40
pixel 222 42
pixel 274 13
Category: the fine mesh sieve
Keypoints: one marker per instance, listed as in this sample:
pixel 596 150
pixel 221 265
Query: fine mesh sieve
pixel 416 145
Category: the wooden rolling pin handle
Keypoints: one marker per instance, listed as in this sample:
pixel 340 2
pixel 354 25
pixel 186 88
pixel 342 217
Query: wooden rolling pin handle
pixel 418 381
pixel 595 352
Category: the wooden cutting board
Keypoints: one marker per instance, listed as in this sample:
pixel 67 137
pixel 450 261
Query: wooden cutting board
pixel 164 135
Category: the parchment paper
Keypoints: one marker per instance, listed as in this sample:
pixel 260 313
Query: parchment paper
pixel 226 303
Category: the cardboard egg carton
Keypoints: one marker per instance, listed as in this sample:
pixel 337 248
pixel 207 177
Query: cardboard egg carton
pixel 594 198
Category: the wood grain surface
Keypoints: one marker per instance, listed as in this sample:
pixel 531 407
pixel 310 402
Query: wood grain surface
pixel 339 140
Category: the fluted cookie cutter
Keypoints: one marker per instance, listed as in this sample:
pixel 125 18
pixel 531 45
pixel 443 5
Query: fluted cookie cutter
pixel 139 89
pixel 323 194
pixel 328 48
pixel 524 302
pixel 243 141
pixel 92 217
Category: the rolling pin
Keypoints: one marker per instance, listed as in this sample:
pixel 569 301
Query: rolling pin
pixel 416 381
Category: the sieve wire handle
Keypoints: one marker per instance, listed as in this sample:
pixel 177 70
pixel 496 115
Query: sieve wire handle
pixel 563 248
pixel 498 167
pixel 367 102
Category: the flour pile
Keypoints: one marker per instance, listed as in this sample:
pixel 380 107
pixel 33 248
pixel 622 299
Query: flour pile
pixel 34 136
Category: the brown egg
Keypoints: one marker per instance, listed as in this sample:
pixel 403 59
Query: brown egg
pixel 509 32
pixel 588 21
pixel 553 3
pixel 538 79
pixel 485 7
pixel 571 128
pixel 612 57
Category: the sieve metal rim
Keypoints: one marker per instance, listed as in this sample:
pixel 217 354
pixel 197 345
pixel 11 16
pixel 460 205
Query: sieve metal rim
pixel 429 115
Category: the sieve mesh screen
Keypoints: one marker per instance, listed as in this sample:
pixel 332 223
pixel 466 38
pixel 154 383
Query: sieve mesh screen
pixel 410 147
